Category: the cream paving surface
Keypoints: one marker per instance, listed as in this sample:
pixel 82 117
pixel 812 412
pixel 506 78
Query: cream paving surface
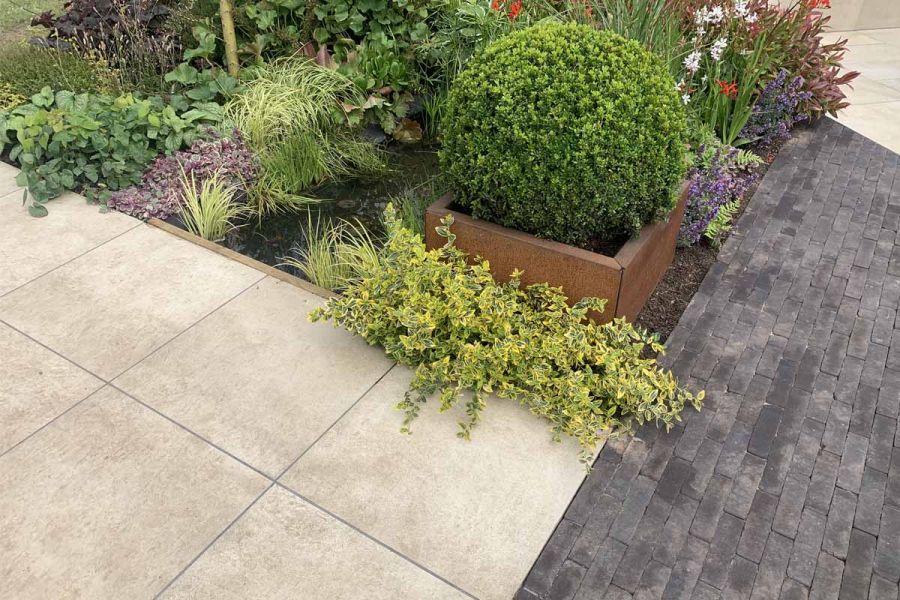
pixel 109 308
pixel 286 548
pixel 204 378
pixel 476 511
pixel 874 109
pixel 36 386
pixel 171 423
pixel 111 500
pixel 72 227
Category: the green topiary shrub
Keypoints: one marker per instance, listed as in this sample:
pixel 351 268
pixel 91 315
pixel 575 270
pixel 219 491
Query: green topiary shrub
pixel 567 133
pixel 461 330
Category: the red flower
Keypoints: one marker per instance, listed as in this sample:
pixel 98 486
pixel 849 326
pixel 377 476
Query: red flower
pixel 514 9
pixel 729 89
pixel 496 4
pixel 818 3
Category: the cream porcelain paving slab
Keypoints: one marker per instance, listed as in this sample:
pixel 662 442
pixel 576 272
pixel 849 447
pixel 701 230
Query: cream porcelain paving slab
pixel 280 380
pixel 109 308
pixel 111 501
pixel 36 385
pixel 476 513
pixel 878 122
pixel 284 547
pixel 854 38
pixel 30 247
pixel 8 183
pixel 890 36
pixel 875 61
pixel 894 84
pixel 869 91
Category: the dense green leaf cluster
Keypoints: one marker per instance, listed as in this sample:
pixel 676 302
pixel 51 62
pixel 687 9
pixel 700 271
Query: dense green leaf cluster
pixel 9 98
pixel 565 132
pixel 463 331
pixel 65 141
pixel 29 69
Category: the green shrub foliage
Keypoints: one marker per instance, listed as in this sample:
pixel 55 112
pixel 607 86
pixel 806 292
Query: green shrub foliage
pixel 463 331
pixel 565 132
pixel 28 69
pixel 66 141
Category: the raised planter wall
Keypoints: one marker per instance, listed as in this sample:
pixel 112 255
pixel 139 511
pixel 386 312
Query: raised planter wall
pixel 626 280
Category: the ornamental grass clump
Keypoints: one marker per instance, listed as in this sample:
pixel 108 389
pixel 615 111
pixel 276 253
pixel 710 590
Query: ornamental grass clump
pixel 567 133
pixel 464 332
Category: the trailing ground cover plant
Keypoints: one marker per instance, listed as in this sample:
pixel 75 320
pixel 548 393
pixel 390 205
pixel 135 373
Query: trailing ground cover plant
pixel 720 177
pixel 160 193
pixel 65 141
pixel 467 335
pixel 776 112
pixel 565 132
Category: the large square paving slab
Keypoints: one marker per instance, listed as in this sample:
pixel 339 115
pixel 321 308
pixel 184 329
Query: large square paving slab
pixel 36 386
pixel 476 513
pixel 111 307
pixel 112 500
pixel 8 183
pixel 257 378
pixel 284 547
pixel 29 247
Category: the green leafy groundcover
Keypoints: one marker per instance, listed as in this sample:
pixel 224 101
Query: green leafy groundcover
pixel 464 331
pixel 66 141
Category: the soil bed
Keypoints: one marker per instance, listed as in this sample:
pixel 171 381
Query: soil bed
pixel 678 286
pixel 673 294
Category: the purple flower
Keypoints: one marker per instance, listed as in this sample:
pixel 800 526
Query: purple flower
pixel 713 184
pixel 775 112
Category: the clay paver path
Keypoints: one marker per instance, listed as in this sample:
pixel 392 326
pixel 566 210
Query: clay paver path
pixel 172 425
pixel 787 484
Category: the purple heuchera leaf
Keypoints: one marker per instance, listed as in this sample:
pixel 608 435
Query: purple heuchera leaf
pixel 160 193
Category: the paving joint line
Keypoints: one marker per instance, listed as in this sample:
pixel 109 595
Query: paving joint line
pixel 214 540
pixel 73 259
pixel 375 539
pixel 336 421
pixel 191 326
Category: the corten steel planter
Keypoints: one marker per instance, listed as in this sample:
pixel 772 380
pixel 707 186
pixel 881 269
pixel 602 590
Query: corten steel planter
pixel 626 280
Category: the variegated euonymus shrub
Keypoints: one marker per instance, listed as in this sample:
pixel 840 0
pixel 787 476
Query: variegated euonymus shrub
pixel 464 331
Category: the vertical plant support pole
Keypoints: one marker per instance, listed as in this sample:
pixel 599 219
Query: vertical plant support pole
pixel 226 14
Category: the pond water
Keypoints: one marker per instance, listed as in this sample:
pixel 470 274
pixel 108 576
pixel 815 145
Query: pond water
pixel 412 171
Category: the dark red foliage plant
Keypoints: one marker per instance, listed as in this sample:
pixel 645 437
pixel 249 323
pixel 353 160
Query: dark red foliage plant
pixel 795 40
pixel 91 23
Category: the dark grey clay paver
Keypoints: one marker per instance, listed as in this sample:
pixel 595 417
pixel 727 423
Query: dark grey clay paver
pixel 787 485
